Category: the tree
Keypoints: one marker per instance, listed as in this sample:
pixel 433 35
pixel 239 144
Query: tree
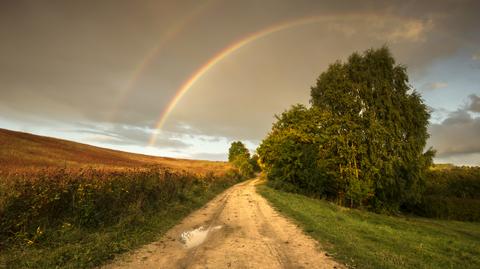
pixel 289 153
pixel 239 156
pixel 363 140
pixel 237 148
pixel 242 162
pixel 372 93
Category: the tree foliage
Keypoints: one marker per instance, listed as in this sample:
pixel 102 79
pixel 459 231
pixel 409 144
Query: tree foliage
pixel 254 161
pixel 289 154
pixel 362 141
pixel 239 156
pixel 237 148
pixel 451 193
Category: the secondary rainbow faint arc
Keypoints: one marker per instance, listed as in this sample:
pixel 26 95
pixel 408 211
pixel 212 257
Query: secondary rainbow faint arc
pixel 169 35
pixel 216 59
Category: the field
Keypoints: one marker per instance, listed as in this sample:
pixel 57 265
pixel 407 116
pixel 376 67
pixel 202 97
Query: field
pixel 363 239
pixel 23 151
pixel 69 205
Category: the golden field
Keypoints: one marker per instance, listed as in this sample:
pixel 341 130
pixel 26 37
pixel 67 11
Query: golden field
pixel 23 151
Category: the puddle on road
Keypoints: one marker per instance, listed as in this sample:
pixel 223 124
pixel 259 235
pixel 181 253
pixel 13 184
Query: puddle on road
pixel 197 236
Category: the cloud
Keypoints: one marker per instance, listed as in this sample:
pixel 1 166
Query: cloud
pixel 210 156
pixel 456 136
pixel 130 135
pixel 434 86
pixel 413 31
pixel 438 114
pixel 476 56
pixel 474 105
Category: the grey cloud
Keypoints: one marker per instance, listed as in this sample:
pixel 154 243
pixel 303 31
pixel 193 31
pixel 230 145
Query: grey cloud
pixel 456 135
pixel 474 105
pixel 130 135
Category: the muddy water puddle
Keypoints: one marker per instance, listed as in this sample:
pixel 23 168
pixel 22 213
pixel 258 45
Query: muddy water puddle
pixel 195 237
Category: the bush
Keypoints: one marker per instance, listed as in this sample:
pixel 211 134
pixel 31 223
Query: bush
pixel 452 193
pixel 451 208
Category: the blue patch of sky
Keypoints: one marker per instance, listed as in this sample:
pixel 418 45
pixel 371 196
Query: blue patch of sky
pixel 458 76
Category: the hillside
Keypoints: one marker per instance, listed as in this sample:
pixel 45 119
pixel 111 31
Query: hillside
pixel 20 150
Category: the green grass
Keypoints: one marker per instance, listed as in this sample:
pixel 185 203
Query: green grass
pixel 83 248
pixel 363 239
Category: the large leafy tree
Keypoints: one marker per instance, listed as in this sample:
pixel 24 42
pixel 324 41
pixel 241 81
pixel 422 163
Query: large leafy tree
pixel 390 120
pixel 362 141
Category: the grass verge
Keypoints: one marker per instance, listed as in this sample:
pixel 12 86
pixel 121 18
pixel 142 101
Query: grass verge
pixel 366 240
pixel 75 247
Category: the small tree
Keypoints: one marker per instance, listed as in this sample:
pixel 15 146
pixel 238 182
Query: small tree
pixel 239 156
pixel 243 164
pixel 289 153
pixel 237 148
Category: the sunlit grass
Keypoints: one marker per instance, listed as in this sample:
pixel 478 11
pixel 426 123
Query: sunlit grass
pixel 367 240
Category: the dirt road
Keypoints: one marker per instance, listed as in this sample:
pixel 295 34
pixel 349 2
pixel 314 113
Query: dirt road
pixel 238 229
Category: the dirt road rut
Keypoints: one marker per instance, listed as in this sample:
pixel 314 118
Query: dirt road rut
pixel 238 229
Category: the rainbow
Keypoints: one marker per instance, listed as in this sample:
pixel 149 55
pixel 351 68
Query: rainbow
pixel 187 85
pixel 153 53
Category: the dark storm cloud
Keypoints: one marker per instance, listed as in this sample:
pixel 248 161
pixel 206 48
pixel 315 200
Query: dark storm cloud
pixel 78 61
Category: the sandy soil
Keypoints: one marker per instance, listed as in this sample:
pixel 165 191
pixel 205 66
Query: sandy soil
pixel 240 230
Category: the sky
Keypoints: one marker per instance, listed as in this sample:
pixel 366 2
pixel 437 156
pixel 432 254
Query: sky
pixel 186 78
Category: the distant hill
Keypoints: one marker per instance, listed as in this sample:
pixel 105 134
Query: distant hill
pixel 23 150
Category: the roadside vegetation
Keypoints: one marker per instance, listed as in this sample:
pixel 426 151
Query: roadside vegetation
pixel 363 239
pixel 56 218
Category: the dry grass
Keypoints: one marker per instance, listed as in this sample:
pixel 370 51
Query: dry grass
pixel 21 152
pixel 58 218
